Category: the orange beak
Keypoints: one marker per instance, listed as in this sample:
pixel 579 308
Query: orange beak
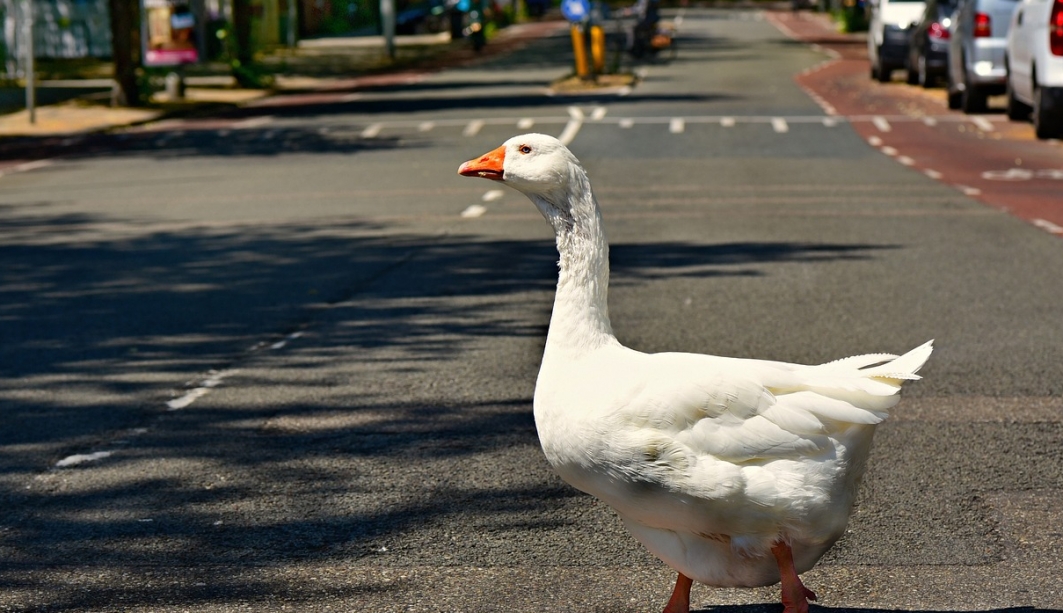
pixel 487 166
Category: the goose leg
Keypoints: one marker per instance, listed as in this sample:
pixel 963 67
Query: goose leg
pixel 795 595
pixel 680 600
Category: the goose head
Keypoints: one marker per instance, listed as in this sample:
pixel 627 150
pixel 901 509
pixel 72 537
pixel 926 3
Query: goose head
pixel 544 170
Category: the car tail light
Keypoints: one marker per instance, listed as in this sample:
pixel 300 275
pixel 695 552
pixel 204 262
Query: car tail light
pixel 982 25
pixel 940 32
pixel 1055 29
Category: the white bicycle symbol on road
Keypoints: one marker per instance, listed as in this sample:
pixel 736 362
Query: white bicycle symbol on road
pixel 1023 174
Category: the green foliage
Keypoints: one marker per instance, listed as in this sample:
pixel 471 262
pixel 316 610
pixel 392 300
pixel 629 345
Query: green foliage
pixel 252 76
pixel 851 18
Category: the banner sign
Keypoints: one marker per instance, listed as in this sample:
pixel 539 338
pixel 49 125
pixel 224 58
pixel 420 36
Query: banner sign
pixel 169 33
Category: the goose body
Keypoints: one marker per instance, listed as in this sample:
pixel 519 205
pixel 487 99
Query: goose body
pixel 734 472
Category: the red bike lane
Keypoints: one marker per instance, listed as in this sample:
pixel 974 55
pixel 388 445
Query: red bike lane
pixel 987 157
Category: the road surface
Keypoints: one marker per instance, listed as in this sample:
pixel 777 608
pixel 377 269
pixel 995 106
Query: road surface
pixel 283 360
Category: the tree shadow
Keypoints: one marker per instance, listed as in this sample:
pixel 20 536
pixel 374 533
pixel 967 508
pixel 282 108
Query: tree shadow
pixel 108 317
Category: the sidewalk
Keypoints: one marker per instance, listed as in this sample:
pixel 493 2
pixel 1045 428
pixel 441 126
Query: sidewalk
pixel 204 94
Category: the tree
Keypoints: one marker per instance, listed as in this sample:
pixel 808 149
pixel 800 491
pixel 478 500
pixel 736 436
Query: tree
pixel 125 51
pixel 242 56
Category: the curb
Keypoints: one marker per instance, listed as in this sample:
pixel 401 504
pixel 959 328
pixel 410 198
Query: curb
pixel 71 120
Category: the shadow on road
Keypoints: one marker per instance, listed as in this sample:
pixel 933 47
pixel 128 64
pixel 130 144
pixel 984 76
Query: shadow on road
pixel 90 322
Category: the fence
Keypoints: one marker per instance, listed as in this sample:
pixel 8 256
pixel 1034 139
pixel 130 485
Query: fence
pixel 61 29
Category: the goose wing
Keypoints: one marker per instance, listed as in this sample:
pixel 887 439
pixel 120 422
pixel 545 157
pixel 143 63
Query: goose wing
pixel 750 410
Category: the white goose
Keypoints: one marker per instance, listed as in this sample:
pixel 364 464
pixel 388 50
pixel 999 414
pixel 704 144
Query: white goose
pixel 734 472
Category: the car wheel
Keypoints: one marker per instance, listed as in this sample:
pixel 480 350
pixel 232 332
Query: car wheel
pixel 1046 123
pixel 1016 110
pixel 951 93
pixel 925 79
pixel 912 72
pixel 973 99
pixel 881 70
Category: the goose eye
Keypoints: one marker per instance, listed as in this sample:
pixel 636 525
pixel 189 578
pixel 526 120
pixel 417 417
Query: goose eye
pixel 525 149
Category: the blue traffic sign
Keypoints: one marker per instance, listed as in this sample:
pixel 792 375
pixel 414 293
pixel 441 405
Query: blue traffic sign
pixel 575 10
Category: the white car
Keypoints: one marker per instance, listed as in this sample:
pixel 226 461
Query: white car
pixel 1034 59
pixel 889 29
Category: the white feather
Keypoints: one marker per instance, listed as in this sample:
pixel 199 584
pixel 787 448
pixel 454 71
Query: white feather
pixel 708 460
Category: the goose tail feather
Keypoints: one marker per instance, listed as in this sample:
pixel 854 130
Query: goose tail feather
pixel 903 368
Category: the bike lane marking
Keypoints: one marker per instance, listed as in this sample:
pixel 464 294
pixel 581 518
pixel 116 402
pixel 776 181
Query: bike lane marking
pixel 984 157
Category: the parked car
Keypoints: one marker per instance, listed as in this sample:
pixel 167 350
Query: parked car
pixel 887 37
pixel 928 47
pixel 1034 60
pixel 420 17
pixel 978 35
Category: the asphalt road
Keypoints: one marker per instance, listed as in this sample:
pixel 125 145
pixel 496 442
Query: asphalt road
pixel 284 360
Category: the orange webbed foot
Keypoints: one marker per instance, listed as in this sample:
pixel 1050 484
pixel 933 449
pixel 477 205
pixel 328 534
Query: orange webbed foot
pixel 680 600
pixel 795 595
pixel 796 601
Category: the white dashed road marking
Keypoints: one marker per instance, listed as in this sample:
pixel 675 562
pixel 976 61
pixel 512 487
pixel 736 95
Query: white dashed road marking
pixel 83 458
pixel 473 127
pixel 881 124
pixel 575 122
pixel 1048 225
pixel 677 125
pixel 779 125
pixel 254 122
pixel 214 380
pixel 473 211
pixel 34 165
pixel 982 123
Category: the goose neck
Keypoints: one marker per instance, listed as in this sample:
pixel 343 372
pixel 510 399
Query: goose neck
pixel 580 318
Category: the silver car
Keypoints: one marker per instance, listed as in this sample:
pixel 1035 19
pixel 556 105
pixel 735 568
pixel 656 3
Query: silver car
pixel 977 39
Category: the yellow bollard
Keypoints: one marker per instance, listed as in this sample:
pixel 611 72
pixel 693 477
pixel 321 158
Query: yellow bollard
pixel 598 49
pixel 579 48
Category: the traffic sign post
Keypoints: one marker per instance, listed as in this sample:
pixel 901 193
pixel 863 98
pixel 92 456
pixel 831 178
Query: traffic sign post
pixel 579 50
pixel 578 13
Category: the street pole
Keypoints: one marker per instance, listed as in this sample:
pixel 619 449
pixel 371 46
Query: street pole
pixel 387 16
pixel 579 49
pixel 31 77
pixel 292 16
